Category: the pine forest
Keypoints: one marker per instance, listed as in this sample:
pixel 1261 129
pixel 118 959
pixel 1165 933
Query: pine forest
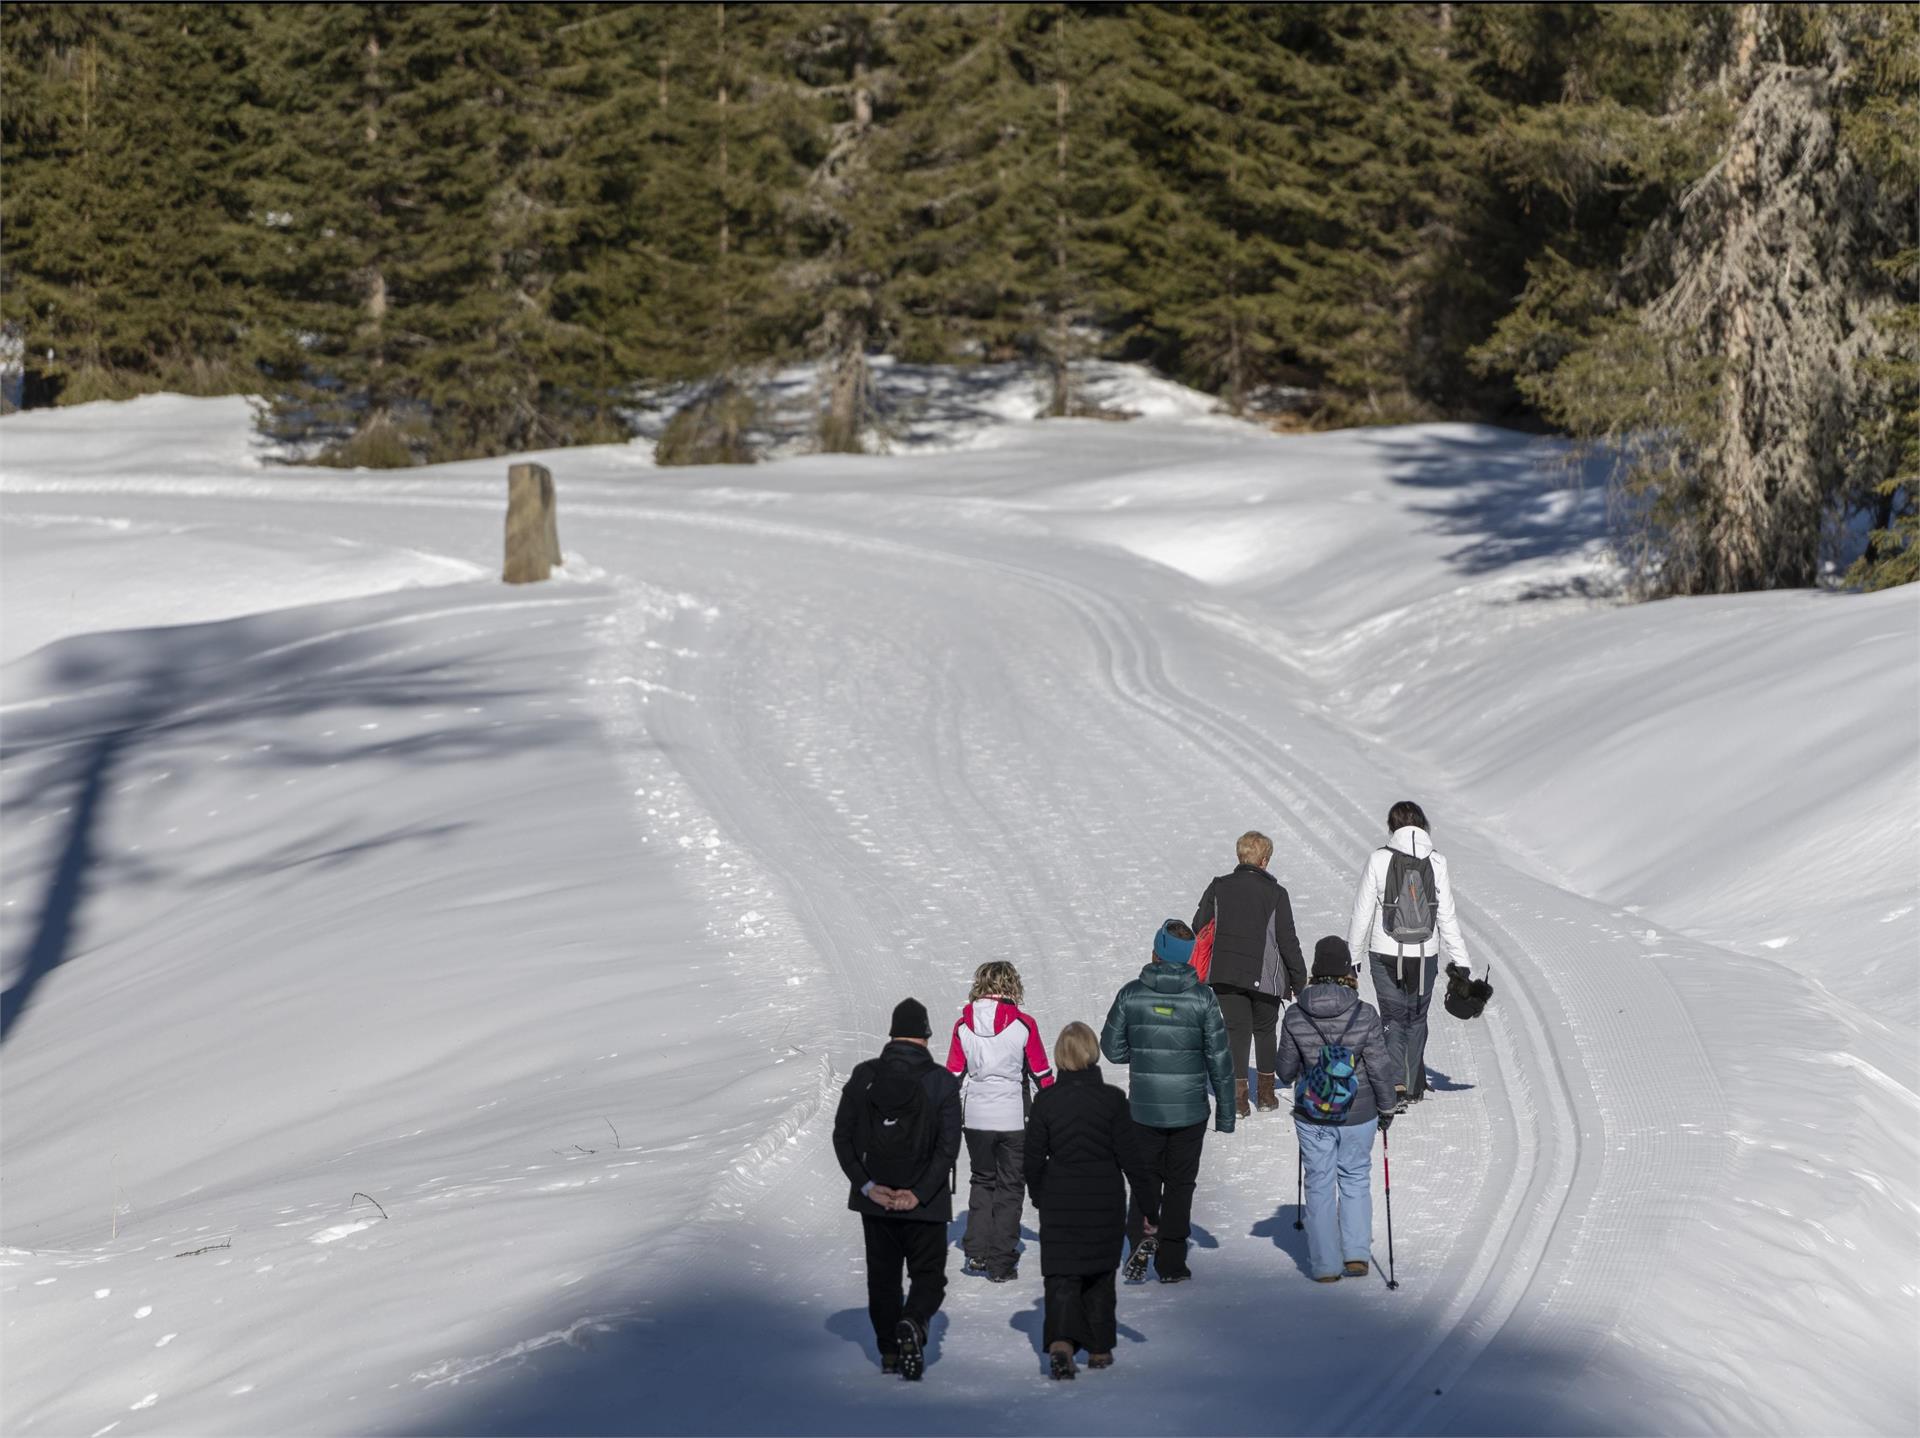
pixel 1685 233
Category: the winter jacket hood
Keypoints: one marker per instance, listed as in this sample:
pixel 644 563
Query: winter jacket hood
pixel 1367 929
pixel 1333 1013
pixel 995 1046
pixel 934 1187
pixel 1169 978
pixel 1412 840
pixel 1166 1026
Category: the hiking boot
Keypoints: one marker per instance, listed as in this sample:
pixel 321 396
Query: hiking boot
pixel 1330 1278
pixel 1007 1276
pixel 1266 1097
pixel 1240 1105
pixel 1176 1277
pixel 1137 1261
pixel 890 1363
pixel 974 1267
pixel 1060 1361
pixel 1099 1360
pixel 1356 1268
pixel 912 1340
pixel 1399 1099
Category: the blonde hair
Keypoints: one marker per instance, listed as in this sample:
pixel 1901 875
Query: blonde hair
pixel 997 980
pixel 1076 1048
pixel 1253 847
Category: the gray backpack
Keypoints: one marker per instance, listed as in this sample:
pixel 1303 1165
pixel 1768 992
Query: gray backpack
pixel 1407 905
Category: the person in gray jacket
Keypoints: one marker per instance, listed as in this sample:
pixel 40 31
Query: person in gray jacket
pixel 1336 1144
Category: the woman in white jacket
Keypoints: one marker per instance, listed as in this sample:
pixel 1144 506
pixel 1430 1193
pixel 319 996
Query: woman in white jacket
pixel 1403 917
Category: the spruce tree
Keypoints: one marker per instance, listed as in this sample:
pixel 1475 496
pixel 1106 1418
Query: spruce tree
pixel 121 268
pixel 1730 355
pixel 1880 118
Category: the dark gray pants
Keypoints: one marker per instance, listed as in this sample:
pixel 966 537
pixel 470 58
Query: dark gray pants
pixel 1252 1022
pixel 997 1165
pixel 1403 1013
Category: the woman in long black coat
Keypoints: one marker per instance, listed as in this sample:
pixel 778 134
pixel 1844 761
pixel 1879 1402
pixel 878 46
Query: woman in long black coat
pixel 1079 1159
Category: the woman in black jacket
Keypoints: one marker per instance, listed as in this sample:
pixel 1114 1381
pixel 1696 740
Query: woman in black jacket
pixel 1256 961
pixel 1079 1145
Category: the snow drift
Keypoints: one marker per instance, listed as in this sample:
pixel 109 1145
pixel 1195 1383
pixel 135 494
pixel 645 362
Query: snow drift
pixel 426 1001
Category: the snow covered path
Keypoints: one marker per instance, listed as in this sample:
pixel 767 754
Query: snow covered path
pixel 882 720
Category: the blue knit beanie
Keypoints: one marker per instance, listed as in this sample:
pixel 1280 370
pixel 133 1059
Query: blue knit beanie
pixel 1168 948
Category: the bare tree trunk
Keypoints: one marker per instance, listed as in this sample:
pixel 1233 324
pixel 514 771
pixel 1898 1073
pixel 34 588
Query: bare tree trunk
pixel 727 349
pixel 375 281
pixel 847 328
pixel 1062 399
pixel 1735 539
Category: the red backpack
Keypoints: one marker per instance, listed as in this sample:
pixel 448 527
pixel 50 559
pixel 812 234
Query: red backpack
pixel 1203 945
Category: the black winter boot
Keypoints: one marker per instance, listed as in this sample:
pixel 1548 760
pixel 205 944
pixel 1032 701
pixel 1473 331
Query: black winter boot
pixel 912 1341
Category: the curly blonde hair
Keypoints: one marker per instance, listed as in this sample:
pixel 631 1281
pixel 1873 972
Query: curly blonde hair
pixel 997 980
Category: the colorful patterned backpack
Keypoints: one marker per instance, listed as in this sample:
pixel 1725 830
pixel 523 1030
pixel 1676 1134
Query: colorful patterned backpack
pixel 1327 1089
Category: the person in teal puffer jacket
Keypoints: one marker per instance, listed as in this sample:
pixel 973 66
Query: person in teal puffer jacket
pixel 1167 1028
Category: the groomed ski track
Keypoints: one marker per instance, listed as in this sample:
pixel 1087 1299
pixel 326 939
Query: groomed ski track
pixel 928 732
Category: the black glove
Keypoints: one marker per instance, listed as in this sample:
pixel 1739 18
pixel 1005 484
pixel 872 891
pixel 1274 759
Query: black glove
pixel 1386 1122
pixel 1454 971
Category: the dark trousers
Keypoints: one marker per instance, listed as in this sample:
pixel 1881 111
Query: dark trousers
pixel 921 1248
pixel 1080 1311
pixel 1170 1160
pixel 1252 1023
pixel 997 1164
pixel 1403 1014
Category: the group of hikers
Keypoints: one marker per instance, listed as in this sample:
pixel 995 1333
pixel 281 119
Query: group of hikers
pixel 1111 1174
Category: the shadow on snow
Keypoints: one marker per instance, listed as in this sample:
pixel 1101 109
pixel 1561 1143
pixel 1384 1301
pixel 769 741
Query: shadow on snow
pixel 1510 498
pixel 137 702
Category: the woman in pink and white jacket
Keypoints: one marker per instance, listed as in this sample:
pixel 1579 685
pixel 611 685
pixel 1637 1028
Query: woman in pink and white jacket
pixel 996 1049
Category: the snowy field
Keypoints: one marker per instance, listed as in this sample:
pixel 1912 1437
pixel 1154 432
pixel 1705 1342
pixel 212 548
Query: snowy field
pixel 426 1000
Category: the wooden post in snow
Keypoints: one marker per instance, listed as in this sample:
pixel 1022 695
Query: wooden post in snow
pixel 533 525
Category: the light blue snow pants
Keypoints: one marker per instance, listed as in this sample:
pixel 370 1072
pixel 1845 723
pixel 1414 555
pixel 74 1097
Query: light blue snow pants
pixel 1339 1170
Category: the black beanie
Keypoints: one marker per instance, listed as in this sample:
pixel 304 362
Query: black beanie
pixel 910 1021
pixel 1332 959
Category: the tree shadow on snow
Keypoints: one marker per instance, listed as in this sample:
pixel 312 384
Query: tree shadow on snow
pixel 134 707
pixel 751 1360
pixel 1511 498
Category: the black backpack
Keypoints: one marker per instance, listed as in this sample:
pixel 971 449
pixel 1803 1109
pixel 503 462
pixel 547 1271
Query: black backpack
pixel 896 1129
pixel 1408 905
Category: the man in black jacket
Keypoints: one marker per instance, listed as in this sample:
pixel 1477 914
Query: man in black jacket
pixel 902 1092
pixel 1257 962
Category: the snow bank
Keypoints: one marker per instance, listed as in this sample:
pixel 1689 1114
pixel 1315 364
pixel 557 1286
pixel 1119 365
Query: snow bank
pixel 425 1008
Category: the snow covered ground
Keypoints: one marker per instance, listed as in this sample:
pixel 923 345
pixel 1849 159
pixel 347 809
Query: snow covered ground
pixel 426 1000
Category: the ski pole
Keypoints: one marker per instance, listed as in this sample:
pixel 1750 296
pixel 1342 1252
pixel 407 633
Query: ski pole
pixel 1299 1187
pixel 1386 1171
